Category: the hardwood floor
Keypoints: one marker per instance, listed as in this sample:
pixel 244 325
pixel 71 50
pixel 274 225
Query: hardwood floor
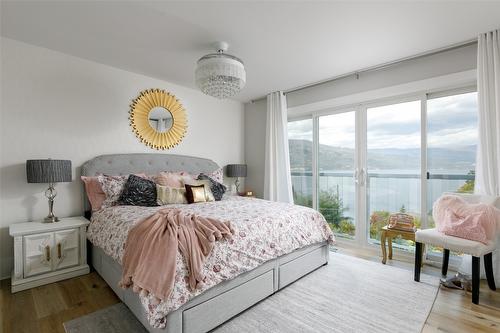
pixel 453 311
pixel 44 309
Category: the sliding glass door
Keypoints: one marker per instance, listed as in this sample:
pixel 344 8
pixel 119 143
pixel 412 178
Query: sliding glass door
pixel 300 144
pixel 451 148
pixel 361 164
pixel 336 165
pixel 393 145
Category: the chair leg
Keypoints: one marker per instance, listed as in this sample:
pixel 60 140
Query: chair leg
pixel 488 267
pixel 446 260
pixel 418 260
pixel 476 266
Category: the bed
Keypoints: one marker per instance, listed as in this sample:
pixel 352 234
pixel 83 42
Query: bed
pixel 226 296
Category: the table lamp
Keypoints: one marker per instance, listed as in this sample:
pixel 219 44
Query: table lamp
pixel 236 170
pixel 51 172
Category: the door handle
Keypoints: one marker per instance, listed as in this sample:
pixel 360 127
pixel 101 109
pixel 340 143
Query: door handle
pixel 47 253
pixel 59 251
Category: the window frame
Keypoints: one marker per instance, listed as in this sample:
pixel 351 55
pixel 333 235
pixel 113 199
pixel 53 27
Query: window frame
pixel 361 238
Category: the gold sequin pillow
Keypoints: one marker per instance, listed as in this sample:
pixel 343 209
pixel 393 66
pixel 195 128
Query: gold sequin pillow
pixel 209 196
pixel 196 193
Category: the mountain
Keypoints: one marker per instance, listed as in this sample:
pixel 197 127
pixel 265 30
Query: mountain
pixel 336 158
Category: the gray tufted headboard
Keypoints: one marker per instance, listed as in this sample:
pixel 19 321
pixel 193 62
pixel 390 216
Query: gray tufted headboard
pixel 123 164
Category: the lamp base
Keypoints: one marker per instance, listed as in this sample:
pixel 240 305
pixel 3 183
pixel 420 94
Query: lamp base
pixel 51 194
pixel 51 219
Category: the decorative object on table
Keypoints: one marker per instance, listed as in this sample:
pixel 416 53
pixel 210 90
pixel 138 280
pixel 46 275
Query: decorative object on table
pixel 158 119
pixel 248 194
pixel 219 74
pixel 401 221
pixel 51 172
pixel 236 171
pixel 388 234
pixel 48 252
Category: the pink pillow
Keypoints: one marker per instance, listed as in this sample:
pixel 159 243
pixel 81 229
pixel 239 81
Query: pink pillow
pixel 468 227
pixel 173 179
pixel 94 192
pixel 484 215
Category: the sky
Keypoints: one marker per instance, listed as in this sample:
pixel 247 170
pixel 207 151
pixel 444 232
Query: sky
pixel 452 122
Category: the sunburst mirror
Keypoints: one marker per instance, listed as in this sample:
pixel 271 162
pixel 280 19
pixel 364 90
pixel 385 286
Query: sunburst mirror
pixel 158 119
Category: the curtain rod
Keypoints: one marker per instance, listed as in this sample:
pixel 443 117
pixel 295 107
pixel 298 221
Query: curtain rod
pixel 381 66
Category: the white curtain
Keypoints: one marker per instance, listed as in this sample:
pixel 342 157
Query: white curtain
pixel 277 179
pixel 488 150
pixel 488 92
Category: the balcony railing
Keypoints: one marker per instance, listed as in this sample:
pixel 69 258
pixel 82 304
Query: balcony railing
pixel 386 191
pixel 384 175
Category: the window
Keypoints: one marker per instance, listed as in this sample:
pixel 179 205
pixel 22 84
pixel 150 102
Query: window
pixel 336 164
pixel 300 143
pixel 451 148
pixel 393 164
pixel 372 160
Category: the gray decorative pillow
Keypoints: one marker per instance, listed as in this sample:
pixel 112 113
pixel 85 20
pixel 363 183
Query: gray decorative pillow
pixel 217 188
pixel 138 192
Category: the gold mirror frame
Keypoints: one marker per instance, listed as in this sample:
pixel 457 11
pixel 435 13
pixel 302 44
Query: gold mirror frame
pixel 139 119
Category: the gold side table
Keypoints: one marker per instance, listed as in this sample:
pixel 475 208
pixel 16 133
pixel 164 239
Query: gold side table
pixel 388 234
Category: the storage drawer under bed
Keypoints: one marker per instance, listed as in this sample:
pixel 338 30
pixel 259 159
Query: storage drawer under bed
pixel 295 269
pixel 203 318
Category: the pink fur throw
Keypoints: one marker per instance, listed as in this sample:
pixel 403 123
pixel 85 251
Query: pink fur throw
pixel 456 217
pixel 149 260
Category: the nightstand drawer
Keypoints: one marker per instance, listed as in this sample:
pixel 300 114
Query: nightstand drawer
pixel 66 248
pixel 37 253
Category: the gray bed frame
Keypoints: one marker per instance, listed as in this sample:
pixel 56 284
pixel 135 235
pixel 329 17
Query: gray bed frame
pixel 222 302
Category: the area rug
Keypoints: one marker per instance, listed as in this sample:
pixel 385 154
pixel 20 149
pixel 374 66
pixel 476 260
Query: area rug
pixel 113 319
pixel 347 295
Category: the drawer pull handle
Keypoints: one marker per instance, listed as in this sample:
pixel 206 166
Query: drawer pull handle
pixel 47 253
pixel 59 254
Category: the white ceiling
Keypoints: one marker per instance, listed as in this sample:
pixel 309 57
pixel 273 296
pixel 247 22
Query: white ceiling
pixel 283 44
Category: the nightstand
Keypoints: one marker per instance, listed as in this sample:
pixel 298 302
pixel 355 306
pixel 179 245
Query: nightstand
pixel 48 252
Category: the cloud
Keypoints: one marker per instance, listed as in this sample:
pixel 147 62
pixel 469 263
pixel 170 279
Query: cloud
pixel 451 122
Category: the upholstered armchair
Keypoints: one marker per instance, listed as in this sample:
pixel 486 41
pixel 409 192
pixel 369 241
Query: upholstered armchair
pixel 450 243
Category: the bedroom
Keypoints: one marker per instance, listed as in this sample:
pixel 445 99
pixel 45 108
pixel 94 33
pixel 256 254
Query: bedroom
pixel 302 160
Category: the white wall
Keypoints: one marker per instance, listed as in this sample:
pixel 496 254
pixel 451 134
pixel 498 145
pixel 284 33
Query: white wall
pixel 255 140
pixel 59 106
pixel 391 80
pixel 453 61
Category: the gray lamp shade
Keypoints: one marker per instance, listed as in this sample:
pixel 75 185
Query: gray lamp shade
pixel 236 170
pixel 48 171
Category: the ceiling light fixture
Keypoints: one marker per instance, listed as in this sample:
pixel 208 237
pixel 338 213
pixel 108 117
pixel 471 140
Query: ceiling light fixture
pixel 220 75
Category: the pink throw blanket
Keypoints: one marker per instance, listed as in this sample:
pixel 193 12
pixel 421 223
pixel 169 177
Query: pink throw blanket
pixel 456 217
pixel 151 248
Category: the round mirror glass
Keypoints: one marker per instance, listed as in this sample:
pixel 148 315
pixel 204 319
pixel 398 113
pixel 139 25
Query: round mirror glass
pixel 160 119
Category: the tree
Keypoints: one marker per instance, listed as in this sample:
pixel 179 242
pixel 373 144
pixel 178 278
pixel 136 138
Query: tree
pixel 332 208
pixel 468 187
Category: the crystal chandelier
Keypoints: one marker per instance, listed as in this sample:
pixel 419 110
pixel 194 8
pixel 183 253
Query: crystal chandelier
pixel 220 74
